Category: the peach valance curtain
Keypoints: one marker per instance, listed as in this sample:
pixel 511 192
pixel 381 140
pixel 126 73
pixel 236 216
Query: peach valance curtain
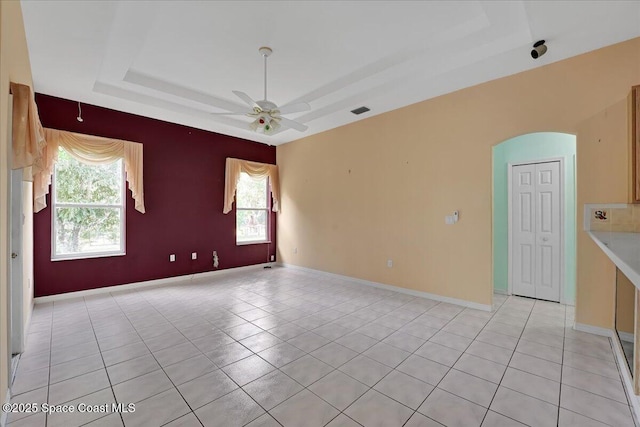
pixel 28 140
pixel 233 169
pixel 92 150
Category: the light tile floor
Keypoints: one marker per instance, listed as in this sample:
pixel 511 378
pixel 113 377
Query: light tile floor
pixel 285 347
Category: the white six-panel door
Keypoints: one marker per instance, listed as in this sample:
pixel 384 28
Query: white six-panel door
pixel 535 230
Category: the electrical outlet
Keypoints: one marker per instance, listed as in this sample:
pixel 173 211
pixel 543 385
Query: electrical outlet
pixel 389 263
pixel 194 255
pixel 172 258
pixel 273 258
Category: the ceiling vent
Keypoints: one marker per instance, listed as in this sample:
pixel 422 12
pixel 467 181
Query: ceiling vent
pixel 360 110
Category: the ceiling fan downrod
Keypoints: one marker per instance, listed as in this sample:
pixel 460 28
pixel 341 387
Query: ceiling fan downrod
pixel 265 52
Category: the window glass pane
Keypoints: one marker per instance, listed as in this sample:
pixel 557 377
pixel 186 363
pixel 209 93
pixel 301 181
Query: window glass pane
pixel 251 225
pixel 251 193
pixel 86 230
pixel 81 183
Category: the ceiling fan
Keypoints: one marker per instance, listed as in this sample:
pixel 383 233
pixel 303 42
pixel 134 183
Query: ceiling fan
pixel 267 115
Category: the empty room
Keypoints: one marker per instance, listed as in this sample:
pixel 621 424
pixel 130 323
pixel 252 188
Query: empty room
pixel 319 213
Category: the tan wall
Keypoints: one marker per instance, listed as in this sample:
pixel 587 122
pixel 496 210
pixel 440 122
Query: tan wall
pixel 602 167
pixel 379 189
pixel 14 66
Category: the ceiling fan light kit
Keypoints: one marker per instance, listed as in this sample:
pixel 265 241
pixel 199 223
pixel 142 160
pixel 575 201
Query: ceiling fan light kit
pixel 264 124
pixel 266 114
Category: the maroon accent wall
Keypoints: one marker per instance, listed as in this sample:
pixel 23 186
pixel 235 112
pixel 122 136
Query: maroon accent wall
pixel 183 189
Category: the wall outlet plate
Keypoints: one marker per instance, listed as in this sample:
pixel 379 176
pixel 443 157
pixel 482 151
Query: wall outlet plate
pixel 194 255
pixel 172 258
pixel 273 258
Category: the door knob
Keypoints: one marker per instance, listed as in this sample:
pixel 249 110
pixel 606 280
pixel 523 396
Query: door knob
pixel 14 255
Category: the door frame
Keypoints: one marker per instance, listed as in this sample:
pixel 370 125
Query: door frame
pixel 16 266
pixel 510 166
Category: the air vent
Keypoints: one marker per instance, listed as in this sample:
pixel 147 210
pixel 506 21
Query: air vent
pixel 360 110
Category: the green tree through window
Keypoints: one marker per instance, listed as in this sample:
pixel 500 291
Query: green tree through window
pixel 88 206
pixel 252 210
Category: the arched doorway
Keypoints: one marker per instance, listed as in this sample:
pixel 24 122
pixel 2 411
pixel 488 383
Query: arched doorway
pixel 531 149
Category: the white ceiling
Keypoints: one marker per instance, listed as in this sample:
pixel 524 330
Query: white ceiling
pixel 179 60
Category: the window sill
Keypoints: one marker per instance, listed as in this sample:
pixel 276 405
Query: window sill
pixel 257 242
pixel 77 257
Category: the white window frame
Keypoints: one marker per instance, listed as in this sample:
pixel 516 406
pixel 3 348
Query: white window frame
pixel 267 210
pixel 123 209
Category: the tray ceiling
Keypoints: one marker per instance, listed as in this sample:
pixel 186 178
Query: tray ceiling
pixel 179 60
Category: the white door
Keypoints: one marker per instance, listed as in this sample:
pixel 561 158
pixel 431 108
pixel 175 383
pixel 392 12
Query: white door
pixel 535 229
pixel 16 291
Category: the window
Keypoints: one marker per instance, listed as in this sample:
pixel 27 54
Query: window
pixel 87 209
pixel 252 210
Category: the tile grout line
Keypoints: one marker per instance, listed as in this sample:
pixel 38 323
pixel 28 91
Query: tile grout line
pixel 361 353
pixel 562 385
pixel 393 369
pixel 220 367
pixel 413 353
pixel 53 307
pixel 309 354
pixel 334 319
pixel 633 415
pixel 161 310
pixel 337 368
pixel 102 358
pixel 358 354
pixel 76 376
pixel 564 337
pixel 507 366
pixel 161 367
pixel 510 358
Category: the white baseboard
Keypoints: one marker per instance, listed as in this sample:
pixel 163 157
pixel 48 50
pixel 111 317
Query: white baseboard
pixel 621 361
pixel 27 326
pixel 157 282
pixel 4 415
pixel 14 368
pixel 596 330
pixel 634 401
pixel 456 301
pixel 500 292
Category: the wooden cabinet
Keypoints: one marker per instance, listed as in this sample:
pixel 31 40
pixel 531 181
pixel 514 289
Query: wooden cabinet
pixel 634 144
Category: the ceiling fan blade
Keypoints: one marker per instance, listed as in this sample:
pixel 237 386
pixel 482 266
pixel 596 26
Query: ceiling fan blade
pixel 294 108
pixel 233 113
pixel 246 98
pixel 293 124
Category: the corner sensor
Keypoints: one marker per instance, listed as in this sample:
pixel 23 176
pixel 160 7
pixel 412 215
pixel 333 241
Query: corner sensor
pixel 539 49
